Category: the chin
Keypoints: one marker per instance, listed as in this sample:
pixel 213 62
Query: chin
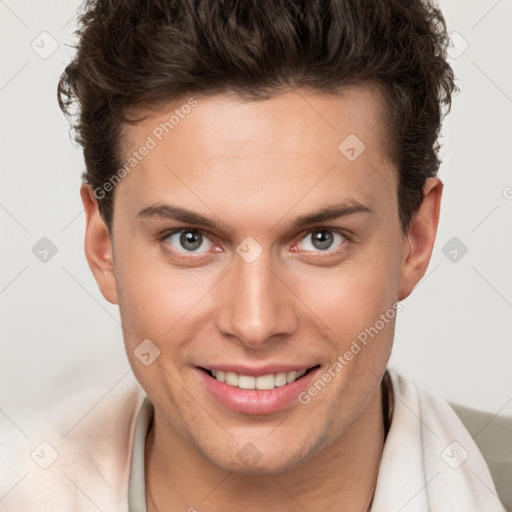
pixel 273 465
pixel 257 458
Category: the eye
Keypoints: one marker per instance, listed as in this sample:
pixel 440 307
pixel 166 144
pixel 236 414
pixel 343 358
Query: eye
pixel 189 240
pixel 322 240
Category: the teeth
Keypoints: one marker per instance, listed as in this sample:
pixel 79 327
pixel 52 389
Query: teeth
pixel 263 382
pixel 280 379
pixel 232 378
pixel 246 382
pixel 266 381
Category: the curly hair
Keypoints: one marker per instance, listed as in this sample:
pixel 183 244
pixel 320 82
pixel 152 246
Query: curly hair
pixel 138 54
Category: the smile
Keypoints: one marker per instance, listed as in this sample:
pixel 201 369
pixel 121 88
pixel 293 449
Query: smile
pixel 262 382
pixel 257 391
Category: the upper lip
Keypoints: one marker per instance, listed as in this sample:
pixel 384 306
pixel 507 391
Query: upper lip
pixel 254 371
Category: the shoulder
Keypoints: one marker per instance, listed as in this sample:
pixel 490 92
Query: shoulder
pixel 492 434
pixel 74 456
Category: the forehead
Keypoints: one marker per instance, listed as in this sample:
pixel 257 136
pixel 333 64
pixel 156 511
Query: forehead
pixel 279 148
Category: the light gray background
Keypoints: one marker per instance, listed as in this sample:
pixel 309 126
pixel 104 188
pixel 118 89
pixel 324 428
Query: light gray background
pixel 58 334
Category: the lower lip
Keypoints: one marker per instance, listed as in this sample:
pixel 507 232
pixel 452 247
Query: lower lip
pixel 256 401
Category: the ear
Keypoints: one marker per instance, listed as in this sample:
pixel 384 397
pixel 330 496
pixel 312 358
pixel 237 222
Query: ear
pixel 420 238
pixel 98 246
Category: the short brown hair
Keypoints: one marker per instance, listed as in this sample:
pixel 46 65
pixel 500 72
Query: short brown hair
pixel 133 54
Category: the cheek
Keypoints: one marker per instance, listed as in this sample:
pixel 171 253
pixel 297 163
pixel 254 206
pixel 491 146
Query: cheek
pixel 155 299
pixel 161 305
pixel 349 298
pixel 356 303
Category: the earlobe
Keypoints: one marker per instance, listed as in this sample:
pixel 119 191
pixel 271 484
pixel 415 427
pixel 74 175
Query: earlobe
pixel 98 246
pixel 421 236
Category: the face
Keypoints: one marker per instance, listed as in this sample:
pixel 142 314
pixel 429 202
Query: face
pixel 255 245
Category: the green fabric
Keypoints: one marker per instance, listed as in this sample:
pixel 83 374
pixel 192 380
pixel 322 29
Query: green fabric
pixel 493 436
pixel 136 485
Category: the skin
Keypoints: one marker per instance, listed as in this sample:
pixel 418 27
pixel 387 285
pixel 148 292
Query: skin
pixel 255 166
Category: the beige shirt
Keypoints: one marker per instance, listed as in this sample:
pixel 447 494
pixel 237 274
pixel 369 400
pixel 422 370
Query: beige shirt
pixel 492 434
pixel 86 452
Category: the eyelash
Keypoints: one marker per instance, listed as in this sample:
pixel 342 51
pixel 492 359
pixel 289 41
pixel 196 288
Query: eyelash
pixel 329 253
pixel 193 256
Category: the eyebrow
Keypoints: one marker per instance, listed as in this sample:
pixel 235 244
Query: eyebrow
pixel 167 211
pixel 327 213
pixel 332 212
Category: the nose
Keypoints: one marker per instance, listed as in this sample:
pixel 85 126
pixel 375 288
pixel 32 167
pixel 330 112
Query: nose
pixel 255 304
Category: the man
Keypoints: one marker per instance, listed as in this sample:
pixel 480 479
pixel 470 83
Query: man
pixel 260 196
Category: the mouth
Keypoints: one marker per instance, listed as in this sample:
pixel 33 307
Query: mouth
pixel 260 391
pixel 261 382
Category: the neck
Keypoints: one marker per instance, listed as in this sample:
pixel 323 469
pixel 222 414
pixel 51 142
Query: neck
pixel 341 476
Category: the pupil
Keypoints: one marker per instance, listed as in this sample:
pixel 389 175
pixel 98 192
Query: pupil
pixel 322 239
pixel 191 240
